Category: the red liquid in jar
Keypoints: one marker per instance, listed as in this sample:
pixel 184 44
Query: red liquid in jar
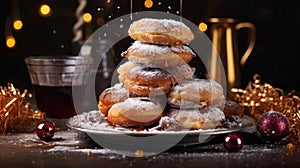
pixel 57 101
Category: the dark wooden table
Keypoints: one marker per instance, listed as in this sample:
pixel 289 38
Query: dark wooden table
pixel 76 149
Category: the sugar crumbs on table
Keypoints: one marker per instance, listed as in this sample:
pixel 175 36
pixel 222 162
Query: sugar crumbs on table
pixel 16 114
pixel 89 153
pixel 260 98
pixel 139 153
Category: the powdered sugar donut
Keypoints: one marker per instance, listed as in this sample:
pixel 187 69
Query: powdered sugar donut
pixel 135 112
pixel 112 95
pixel 148 81
pixel 157 55
pixel 196 93
pixel 160 31
pixel 124 69
pixel 232 108
pixel 181 73
pixel 205 118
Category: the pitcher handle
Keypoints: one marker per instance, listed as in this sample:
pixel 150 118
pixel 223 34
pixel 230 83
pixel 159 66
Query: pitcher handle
pixel 252 37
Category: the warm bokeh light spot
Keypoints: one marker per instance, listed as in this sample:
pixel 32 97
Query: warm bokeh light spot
pixel 148 3
pixel 100 21
pixel 17 24
pixel 10 42
pixel 45 10
pixel 202 26
pixel 87 17
pixel 109 3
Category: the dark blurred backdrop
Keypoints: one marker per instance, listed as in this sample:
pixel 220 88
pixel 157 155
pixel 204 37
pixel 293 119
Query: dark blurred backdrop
pixel 275 56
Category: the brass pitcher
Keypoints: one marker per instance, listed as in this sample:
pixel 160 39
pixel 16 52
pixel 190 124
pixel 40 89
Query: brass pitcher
pixel 223 34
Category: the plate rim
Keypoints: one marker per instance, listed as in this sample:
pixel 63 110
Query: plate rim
pixel 198 132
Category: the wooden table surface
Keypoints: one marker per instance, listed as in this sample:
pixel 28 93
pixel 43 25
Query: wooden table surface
pixel 76 149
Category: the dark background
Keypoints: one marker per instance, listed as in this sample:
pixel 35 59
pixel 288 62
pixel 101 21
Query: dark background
pixel 275 56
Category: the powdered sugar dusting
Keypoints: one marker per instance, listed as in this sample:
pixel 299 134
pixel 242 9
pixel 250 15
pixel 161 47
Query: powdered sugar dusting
pixel 127 66
pixel 200 85
pixel 164 26
pixel 149 74
pixel 167 123
pixel 118 90
pixel 138 105
pixel 208 114
pixel 181 72
pixel 73 149
pixel 213 114
pixel 153 50
pixel 90 122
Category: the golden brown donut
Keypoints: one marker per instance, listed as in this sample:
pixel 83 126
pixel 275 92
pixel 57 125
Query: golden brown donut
pixel 124 69
pixel 135 112
pixel 110 96
pixel 147 81
pixel 181 73
pixel 232 108
pixel 151 55
pixel 205 118
pixel 160 31
pixel 196 93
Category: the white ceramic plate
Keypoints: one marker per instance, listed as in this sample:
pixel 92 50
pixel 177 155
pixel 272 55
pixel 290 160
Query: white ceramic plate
pixel 104 132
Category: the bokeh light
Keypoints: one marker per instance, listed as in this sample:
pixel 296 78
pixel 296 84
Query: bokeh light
pixel 148 3
pixel 202 26
pixel 100 21
pixel 17 25
pixel 87 17
pixel 44 10
pixel 109 3
pixel 10 42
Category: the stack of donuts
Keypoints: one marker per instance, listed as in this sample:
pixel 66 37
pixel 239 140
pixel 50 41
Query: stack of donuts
pixel 156 83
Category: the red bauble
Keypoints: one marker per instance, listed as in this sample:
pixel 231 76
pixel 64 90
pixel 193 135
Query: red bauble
pixel 273 126
pixel 45 130
pixel 233 142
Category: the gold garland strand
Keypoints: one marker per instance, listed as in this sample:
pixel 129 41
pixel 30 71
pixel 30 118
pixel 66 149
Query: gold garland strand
pixel 16 114
pixel 32 142
pixel 259 98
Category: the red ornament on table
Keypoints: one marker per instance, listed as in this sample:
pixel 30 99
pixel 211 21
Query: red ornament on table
pixel 273 126
pixel 45 130
pixel 233 142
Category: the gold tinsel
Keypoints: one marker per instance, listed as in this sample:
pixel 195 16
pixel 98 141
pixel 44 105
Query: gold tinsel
pixel 260 97
pixel 16 114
